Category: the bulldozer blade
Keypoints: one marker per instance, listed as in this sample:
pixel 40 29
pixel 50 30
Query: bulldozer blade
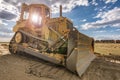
pixel 80 52
pixel 84 58
pixel 79 60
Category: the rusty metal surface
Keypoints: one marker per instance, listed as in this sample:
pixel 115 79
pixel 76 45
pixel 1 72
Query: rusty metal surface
pixel 38 54
pixel 81 52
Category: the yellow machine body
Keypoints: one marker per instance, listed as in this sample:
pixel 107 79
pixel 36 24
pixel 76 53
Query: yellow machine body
pixel 52 39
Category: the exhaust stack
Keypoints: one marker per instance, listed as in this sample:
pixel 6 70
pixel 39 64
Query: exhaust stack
pixel 60 10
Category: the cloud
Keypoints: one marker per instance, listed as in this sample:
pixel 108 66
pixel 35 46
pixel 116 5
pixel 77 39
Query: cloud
pixel 5 30
pixel 110 1
pixel 109 18
pixel 94 2
pixel 7 15
pixel 1 1
pixel 107 37
pixel 76 26
pixel 84 20
pixel 6 35
pixel 68 5
pixel 8 11
pixel 100 31
pixel 3 23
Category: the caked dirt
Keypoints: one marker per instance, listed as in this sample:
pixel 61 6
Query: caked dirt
pixel 26 67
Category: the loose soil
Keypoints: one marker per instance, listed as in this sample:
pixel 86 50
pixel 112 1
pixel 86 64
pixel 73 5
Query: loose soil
pixel 26 67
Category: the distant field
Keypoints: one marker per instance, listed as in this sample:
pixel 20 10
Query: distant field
pixel 4 42
pixel 107 48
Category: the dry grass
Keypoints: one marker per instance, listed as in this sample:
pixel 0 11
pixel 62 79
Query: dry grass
pixel 107 48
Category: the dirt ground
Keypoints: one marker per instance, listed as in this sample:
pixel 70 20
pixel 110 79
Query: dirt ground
pixel 25 67
pixel 13 67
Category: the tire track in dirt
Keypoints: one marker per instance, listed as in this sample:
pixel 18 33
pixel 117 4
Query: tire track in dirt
pixel 21 67
pixel 100 69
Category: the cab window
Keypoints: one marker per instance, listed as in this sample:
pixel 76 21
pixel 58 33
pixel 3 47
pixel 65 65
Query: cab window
pixel 26 15
pixel 47 13
pixel 36 16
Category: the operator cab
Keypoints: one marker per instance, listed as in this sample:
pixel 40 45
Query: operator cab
pixel 35 14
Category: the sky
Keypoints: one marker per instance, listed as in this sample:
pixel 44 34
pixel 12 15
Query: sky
pixel 99 19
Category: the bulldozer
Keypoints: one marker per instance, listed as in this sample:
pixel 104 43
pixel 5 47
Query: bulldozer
pixel 55 40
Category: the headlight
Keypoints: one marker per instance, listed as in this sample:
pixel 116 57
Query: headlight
pixel 36 19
